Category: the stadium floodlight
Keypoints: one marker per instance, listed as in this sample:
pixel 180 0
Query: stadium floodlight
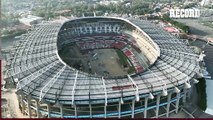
pixel 187 82
pixel 151 96
pixel 16 80
pixel 195 81
pixel 164 92
pixel 73 89
pixel 105 91
pixel 176 90
pixel 187 85
pixel 122 102
pixel 136 88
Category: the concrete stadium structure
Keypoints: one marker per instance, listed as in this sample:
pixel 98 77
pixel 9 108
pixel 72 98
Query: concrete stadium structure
pixel 48 87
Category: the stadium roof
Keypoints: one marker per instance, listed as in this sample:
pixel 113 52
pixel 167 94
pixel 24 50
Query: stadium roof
pixel 43 75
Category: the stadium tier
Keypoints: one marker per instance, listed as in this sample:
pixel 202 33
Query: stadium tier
pixel 165 69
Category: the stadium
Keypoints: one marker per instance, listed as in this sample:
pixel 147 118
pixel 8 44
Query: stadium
pixel 102 67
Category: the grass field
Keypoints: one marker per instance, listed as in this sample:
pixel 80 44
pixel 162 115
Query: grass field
pixel 123 59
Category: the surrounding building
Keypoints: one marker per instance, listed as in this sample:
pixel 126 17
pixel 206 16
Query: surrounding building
pixel 31 20
pixel 206 2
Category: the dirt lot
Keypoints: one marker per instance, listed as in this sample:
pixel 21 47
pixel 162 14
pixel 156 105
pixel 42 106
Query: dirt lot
pixel 107 60
pixel 13 106
pixel 104 62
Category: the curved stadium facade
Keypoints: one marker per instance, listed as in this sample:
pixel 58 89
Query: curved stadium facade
pixel 47 86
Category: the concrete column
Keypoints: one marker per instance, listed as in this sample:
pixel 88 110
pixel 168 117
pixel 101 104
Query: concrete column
pixel 157 103
pixel 133 108
pixel 29 108
pixel 90 110
pixel 37 109
pixel 19 98
pixel 177 102
pixel 19 101
pixel 61 110
pixel 90 30
pixel 75 111
pixel 48 110
pixel 110 28
pixel 168 104
pixel 145 107
pixel 119 109
pixel 184 97
pixel 190 91
pixel 96 28
pixel 22 104
pixel 81 30
pixel 105 29
pixel 105 111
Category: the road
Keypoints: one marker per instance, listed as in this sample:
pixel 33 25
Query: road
pixel 13 105
pixel 197 28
